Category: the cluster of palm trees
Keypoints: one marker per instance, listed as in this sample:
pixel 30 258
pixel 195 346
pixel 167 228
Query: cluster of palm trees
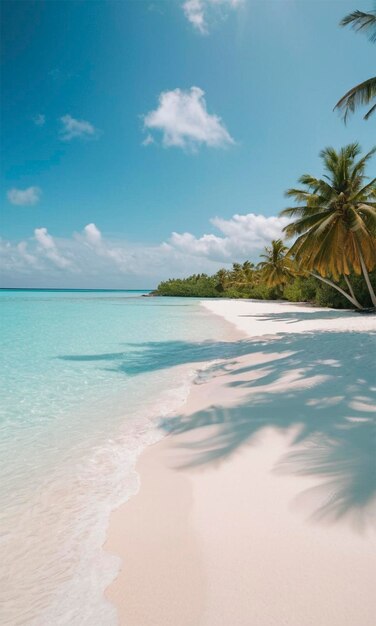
pixel 241 275
pixel 275 270
pixel 333 230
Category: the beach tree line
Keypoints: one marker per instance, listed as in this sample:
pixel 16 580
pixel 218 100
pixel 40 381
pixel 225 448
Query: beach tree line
pixel 328 256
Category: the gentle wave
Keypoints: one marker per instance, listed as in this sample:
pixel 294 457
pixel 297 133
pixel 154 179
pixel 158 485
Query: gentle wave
pixel 109 480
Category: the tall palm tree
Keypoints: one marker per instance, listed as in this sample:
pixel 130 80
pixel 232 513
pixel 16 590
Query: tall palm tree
pixel 336 220
pixel 277 268
pixel 365 92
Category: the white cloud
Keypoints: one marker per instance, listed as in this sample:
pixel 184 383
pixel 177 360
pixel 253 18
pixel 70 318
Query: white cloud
pixel 209 246
pixel 24 254
pixel 39 120
pixel 92 234
pixel 257 230
pixel 91 259
pixel 243 236
pixel 72 129
pixel 24 197
pixel 197 12
pixel 184 121
pixel 194 12
pixel 48 247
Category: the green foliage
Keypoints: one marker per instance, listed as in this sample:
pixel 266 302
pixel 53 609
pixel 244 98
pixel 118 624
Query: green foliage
pixel 197 285
pixel 276 268
pixel 263 292
pixel 299 289
pixel 327 296
pixel 311 290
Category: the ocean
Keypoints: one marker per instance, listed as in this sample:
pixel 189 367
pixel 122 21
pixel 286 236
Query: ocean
pixel 86 377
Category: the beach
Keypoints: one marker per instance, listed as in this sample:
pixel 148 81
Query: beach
pixel 258 507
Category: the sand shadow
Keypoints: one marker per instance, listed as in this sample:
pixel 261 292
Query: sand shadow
pixel 292 317
pixel 321 383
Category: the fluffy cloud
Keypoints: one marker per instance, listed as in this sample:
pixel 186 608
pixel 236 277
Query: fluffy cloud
pixel 30 259
pixel 251 232
pixel 24 197
pixel 92 237
pixel 89 258
pixel 47 246
pixel 243 236
pixel 209 246
pixel 182 118
pixel 92 234
pixel 197 11
pixel 72 129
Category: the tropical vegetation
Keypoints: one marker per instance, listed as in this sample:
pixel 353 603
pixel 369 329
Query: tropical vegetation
pixel 276 268
pixel 335 223
pixel 365 92
pixel 298 289
pixel 332 258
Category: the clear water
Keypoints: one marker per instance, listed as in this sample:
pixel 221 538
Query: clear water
pixel 86 376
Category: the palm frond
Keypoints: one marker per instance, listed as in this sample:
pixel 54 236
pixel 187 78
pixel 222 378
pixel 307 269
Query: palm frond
pixel 298 194
pixel 301 210
pixel 361 21
pixel 370 112
pixel 301 226
pixel 359 167
pixel 361 193
pixel 360 95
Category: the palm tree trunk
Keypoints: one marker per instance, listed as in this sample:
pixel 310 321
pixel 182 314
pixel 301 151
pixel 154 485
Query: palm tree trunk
pixel 351 290
pixel 351 299
pixel 366 276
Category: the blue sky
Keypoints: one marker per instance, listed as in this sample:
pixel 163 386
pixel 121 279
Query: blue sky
pixel 125 122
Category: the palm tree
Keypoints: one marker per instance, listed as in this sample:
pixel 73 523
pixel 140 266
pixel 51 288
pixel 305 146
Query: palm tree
pixel 222 277
pixel 365 92
pixel 242 275
pixel 248 269
pixel 336 220
pixel 236 274
pixel 277 268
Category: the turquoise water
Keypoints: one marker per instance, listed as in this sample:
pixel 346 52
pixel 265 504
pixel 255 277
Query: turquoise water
pixel 85 380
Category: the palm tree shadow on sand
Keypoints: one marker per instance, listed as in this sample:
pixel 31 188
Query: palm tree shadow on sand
pixel 320 383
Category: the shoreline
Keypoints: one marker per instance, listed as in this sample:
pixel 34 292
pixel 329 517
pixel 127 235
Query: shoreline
pixel 199 543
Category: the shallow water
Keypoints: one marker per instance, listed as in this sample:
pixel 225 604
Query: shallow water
pixel 76 411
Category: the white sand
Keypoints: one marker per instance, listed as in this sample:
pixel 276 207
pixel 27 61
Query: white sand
pixel 259 509
pixel 260 317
